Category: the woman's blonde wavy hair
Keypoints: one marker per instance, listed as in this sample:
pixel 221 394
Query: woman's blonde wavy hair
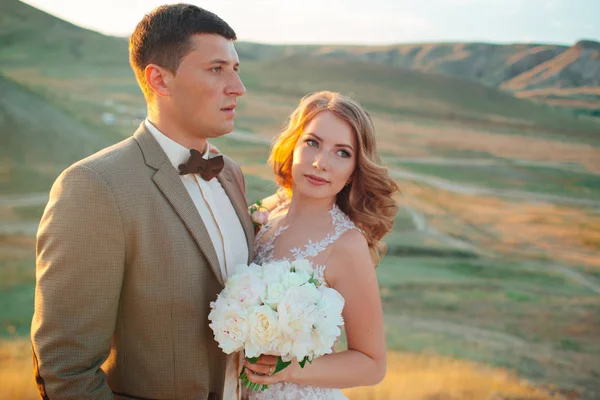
pixel 368 200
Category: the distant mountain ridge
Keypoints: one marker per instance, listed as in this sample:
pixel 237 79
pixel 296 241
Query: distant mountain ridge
pixel 562 75
pixel 57 80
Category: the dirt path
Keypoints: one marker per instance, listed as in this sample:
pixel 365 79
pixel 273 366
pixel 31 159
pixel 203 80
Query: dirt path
pixel 23 200
pixel 477 336
pixel 454 186
pixel 421 225
pixel 486 162
pixel 28 228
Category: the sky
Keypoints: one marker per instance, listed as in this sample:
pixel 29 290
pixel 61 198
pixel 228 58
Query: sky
pixel 362 21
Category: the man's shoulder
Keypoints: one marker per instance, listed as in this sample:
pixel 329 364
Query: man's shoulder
pixel 118 156
pixel 111 155
pixel 122 158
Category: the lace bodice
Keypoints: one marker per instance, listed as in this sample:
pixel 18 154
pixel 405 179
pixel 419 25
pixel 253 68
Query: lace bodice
pixel 264 253
pixel 264 250
pixel 291 391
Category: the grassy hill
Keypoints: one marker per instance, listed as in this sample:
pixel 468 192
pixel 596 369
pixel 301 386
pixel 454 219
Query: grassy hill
pixel 38 138
pixel 493 256
pixel 559 75
pixel 410 93
pixel 32 37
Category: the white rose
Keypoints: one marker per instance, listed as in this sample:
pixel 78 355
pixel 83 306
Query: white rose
pixel 297 278
pixel 283 346
pixel 311 292
pixel 322 342
pixel 329 309
pixel 331 305
pixel 252 269
pixel 229 322
pixel 246 289
pixel 273 295
pixel 298 346
pixel 297 310
pixel 264 330
pixel 302 345
pixel 275 271
pixel 303 265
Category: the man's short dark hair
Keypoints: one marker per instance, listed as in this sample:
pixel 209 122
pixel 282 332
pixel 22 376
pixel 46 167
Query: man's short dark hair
pixel 163 37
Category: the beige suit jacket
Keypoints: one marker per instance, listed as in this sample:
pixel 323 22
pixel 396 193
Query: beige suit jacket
pixel 125 274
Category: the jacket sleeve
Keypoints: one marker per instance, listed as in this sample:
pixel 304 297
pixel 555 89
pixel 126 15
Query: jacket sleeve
pixel 79 273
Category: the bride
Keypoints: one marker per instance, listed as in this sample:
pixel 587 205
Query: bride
pixel 335 204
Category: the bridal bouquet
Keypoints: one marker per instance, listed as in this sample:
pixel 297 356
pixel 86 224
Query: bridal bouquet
pixel 278 309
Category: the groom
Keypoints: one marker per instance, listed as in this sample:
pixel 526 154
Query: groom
pixel 137 240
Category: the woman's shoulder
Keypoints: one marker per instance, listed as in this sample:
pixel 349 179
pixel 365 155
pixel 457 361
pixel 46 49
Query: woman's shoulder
pixel 349 256
pixel 351 243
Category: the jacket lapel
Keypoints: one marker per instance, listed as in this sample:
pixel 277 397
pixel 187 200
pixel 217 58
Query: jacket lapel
pixel 239 204
pixel 168 181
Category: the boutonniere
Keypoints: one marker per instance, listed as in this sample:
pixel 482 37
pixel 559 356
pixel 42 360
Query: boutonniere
pixel 258 214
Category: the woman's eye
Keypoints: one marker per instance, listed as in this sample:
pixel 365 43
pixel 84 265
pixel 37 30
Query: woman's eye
pixel 312 143
pixel 344 154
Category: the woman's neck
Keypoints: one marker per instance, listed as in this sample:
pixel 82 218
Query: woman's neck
pixel 308 207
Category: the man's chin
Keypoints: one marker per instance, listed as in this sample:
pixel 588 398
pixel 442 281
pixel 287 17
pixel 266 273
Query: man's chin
pixel 222 130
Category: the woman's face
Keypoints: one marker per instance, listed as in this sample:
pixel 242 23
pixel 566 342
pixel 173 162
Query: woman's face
pixel 324 157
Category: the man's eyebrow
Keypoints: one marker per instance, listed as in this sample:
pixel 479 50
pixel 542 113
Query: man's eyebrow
pixel 222 62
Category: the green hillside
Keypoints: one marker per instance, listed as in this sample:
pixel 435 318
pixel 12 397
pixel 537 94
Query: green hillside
pixel 493 256
pixel 38 138
pixel 30 37
pixel 411 93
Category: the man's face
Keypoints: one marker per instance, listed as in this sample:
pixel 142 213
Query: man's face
pixel 204 90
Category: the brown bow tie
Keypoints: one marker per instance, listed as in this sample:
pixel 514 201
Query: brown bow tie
pixel 197 164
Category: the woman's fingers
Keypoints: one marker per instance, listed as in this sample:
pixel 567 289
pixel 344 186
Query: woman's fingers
pixel 267 359
pixel 261 379
pixel 263 369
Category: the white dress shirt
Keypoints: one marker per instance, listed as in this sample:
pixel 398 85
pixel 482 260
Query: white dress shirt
pixel 230 243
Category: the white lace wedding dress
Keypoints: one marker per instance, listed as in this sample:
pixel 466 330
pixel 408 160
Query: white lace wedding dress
pixel 264 253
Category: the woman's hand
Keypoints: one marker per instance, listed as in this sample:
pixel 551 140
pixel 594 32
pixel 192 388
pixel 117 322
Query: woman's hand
pixel 263 371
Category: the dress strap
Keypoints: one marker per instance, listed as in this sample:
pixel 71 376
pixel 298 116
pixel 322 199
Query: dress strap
pixel 341 224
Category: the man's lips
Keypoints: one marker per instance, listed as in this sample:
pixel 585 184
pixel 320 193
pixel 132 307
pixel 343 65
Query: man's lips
pixel 229 108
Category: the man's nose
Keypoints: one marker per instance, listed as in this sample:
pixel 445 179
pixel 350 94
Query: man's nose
pixel 236 87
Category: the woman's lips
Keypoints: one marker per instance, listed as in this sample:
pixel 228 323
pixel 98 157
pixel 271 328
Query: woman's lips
pixel 315 180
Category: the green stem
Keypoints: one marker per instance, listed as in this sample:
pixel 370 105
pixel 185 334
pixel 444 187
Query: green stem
pixel 249 384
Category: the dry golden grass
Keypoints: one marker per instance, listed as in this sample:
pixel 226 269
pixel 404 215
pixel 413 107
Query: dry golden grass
pixel 592 105
pixel 562 233
pixel 558 91
pixel 16 371
pixel 520 55
pixel 15 247
pixel 425 377
pixel 265 113
pixel 407 138
pixel 409 377
pixel 262 171
pixel 543 71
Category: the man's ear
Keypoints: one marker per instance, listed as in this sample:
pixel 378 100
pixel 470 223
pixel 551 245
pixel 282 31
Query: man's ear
pixel 158 79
